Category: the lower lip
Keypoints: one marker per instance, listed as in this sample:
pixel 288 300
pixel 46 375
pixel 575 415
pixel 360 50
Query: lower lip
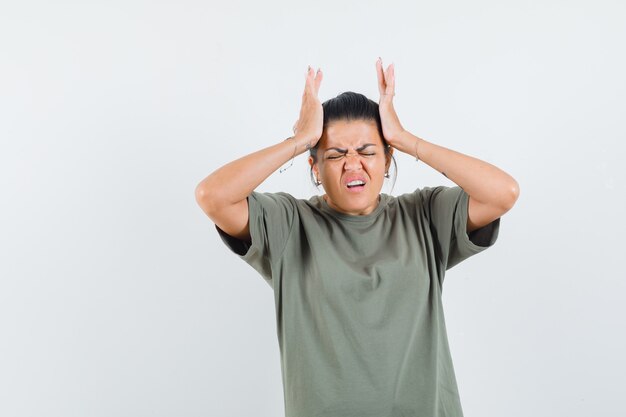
pixel 356 190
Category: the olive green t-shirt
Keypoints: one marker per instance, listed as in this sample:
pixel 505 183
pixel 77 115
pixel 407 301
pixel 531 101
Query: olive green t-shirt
pixel 359 312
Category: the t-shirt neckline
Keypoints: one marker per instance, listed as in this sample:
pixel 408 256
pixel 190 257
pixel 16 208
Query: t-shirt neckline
pixel 382 202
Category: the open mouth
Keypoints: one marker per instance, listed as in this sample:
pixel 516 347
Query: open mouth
pixel 356 185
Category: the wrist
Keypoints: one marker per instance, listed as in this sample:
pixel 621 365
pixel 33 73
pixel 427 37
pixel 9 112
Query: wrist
pixel 303 143
pixel 410 144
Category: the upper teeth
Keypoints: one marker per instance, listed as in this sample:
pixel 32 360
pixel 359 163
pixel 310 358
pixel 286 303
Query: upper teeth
pixel 356 182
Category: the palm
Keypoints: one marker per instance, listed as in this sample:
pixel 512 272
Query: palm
pixel 386 86
pixel 311 119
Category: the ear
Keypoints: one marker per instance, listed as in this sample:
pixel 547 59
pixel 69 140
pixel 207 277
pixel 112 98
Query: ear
pixel 313 165
pixel 388 156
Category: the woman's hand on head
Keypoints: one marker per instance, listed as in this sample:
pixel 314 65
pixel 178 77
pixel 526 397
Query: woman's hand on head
pixel 309 126
pixel 387 87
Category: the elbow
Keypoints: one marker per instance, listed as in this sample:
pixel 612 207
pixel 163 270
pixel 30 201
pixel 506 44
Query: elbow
pixel 205 197
pixel 512 194
pixel 200 193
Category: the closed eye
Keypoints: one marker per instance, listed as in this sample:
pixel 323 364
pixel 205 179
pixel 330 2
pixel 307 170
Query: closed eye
pixel 335 157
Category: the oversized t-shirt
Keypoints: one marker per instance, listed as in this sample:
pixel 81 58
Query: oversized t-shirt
pixel 358 302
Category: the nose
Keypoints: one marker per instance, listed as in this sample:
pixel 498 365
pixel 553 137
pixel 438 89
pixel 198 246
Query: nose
pixel 352 163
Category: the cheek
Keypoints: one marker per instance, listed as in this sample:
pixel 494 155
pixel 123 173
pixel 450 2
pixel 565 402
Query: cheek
pixel 376 166
pixel 331 173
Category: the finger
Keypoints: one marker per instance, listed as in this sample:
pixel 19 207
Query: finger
pixel 387 72
pixel 318 80
pixel 392 78
pixel 307 83
pixel 380 75
pixel 389 81
pixel 309 73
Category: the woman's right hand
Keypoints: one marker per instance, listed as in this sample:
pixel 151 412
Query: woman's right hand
pixel 309 126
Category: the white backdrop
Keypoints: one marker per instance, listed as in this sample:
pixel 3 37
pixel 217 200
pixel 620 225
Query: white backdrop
pixel 117 297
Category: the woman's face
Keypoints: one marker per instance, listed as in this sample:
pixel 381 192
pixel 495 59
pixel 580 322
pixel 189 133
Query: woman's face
pixel 351 151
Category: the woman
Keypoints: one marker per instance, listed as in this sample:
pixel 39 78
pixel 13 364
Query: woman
pixel 357 275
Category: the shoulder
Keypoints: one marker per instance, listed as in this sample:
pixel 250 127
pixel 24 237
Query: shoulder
pixel 286 201
pixel 431 194
pixel 415 197
pixel 431 198
pixel 275 197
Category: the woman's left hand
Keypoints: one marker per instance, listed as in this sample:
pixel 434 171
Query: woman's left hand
pixel 389 119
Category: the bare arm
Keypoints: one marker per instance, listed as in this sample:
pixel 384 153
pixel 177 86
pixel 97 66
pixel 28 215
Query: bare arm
pixel 223 194
pixel 492 192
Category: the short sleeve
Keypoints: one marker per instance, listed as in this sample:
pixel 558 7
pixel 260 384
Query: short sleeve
pixel 270 217
pixel 447 211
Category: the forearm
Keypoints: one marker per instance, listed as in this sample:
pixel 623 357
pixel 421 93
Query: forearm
pixel 235 181
pixel 483 181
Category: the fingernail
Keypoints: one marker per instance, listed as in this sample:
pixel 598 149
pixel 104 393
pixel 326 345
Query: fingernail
pixel 380 59
pixel 308 69
pixel 319 69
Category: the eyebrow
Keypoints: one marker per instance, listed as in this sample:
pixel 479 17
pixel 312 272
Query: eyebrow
pixel 345 150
